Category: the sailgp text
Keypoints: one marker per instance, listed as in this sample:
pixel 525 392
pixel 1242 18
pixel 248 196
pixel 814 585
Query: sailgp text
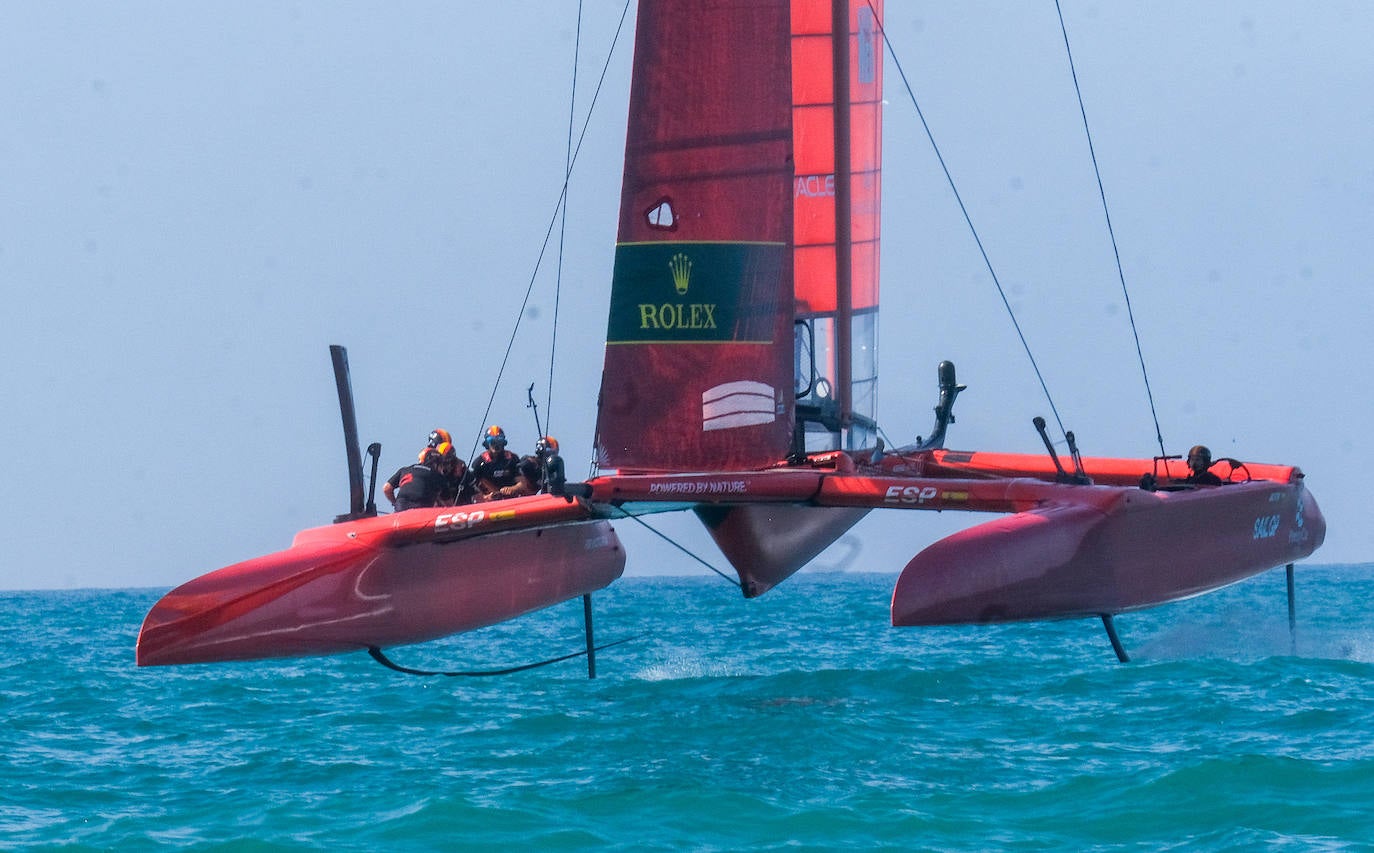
pixel 1266 526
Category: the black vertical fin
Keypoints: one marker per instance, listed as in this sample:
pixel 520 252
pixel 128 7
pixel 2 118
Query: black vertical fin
pixel 356 509
pixel 587 621
pixel 1120 650
pixel 1292 613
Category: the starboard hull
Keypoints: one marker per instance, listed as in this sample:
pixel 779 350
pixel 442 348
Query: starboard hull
pixel 1135 549
pixel 391 582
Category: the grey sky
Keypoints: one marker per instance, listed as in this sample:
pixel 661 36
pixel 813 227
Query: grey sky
pixel 196 199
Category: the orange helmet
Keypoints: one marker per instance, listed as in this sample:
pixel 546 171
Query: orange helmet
pixel 494 435
pixel 447 455
pixel 438 437
pixel 429 454
pixel 547 444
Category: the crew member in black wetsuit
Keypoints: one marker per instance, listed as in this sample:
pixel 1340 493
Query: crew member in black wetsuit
pixel 457 485
pixel 537 473
pixel 496 470
pixel 417 485
pixel 551 475
pixel 1199 460
pixel 527 479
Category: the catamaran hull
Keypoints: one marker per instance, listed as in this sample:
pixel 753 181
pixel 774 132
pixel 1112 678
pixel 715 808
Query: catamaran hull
pixel 340 594
pixel 1137 550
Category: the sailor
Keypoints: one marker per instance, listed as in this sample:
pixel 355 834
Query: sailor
pixel 417 485
pixel 527 480
pixel 1199 460
pixel 552 478
pixel 496 468
pixel 457 486
pixel 541 472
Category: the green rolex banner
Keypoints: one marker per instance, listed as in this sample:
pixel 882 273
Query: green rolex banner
pixel 695 292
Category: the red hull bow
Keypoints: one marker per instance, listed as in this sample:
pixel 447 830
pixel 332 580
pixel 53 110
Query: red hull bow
pixel 393 580
pixel 1112 551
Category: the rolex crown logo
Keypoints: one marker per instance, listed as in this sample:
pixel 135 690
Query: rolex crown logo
pixel 681 267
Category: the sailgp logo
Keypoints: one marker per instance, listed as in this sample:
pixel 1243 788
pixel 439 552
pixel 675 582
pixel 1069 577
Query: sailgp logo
pixel 738 404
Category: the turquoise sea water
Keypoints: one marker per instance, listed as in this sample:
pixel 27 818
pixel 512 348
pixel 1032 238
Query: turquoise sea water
pixel 800 720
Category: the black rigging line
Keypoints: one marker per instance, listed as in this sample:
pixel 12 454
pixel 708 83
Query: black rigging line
pixel 553 220
pixel 969 220
pixel 1159 436
pixel 563 223
pixel 666 538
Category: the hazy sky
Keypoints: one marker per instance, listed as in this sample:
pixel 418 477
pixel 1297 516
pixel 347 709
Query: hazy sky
pixel 196 199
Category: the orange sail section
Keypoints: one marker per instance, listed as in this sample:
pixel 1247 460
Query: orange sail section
pixel 837 199
pixel 731 186
pixel 817 186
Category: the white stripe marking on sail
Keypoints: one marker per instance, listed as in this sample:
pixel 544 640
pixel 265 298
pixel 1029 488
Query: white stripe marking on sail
pixel 741 419
pixel 737 404
pixel 742 386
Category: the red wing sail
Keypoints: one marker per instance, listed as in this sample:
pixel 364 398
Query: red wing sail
pixel 698 370
pixel 730 185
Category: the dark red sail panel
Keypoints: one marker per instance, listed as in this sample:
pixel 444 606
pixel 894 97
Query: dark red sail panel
pixel 699 362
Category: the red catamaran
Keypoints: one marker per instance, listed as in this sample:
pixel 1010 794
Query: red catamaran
pixel 739 382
